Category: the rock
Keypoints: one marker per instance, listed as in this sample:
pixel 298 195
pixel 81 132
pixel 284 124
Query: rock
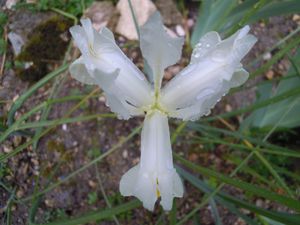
pixel 16 41
pixel 100 13
pixel 39 41
pixel 267 56
pixel 125 154
pixel 142 8
pixel 10 3
pixel 270 74
pixel 169 12
pixel 179 30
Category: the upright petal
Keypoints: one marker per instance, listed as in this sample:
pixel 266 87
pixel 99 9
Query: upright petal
pixel 158 48
pixel 155 175
pixel 215 68
pixel 100 53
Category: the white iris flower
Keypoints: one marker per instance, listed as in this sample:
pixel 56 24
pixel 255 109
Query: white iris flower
pixel 214 68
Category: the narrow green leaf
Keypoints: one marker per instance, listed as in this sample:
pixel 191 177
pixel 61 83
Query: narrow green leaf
pixel 99 215
pixel 214 211
pixel 225 199
pixel 289 202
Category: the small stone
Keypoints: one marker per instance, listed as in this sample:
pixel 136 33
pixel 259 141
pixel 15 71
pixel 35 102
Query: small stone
pixel 49 203
pixel 136 161
pixel 65 127
pixel 281 66
pixel 20 193
pixel 228 108
pixel 169 11
pixel 190 23
pixel 10 3
pixel 142 8
pixel 267 56
pixel 125 154
pixel 34 161
pixel 7 149
pixel 179 30
pixel 259 203
pixel 270 75
pixel 193 157
pixel 100 13
pixel 16 41
pixel 92 184
pixel 296 18
pixel 102 99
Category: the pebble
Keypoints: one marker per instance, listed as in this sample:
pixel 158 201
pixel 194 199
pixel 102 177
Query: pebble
pixel 125 154
pixel 179 30
pixel 267 56
pixel 228 108
pixel 65 127
pixel 259 203
pixel 193 157
pixel 92 183
pixel 190 23
pixel 102 99
pixel 270 75
pixel 49 203
pixel 20 193
pixel 296 18
pixel 7 149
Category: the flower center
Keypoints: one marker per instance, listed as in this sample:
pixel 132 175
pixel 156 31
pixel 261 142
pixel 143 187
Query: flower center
pixel 92 51
pixel 155 106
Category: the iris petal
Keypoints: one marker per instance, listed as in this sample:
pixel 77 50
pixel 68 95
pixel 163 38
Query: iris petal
pixel 158 48
pixel 215 68
pixel 155 172
pixel 129 92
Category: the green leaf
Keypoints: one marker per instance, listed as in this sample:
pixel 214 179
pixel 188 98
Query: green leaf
pixel 226 200
pixel 214 211
pixel 253 189
pixel 99 215
pixel 212 15
pixel 266 117
pixel 270 148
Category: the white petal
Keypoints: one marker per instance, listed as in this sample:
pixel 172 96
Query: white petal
pixel 158 48
pixel 88 28
pixel 80 73
pixel 128 180
pixel 146 190
pixel 140 185
pixel 155 174
pixel 100 52
pixel 196 89
pixel 116 100
pixel 177 185
pixel 205 45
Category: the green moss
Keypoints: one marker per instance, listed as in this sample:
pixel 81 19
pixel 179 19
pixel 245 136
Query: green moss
pixel 45 46
pixel 56 146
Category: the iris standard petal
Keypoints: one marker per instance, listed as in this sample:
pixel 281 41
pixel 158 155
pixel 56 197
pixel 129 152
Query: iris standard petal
pixel 100 52
pixel 215 68
pixel 155 175
pixel 158 48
